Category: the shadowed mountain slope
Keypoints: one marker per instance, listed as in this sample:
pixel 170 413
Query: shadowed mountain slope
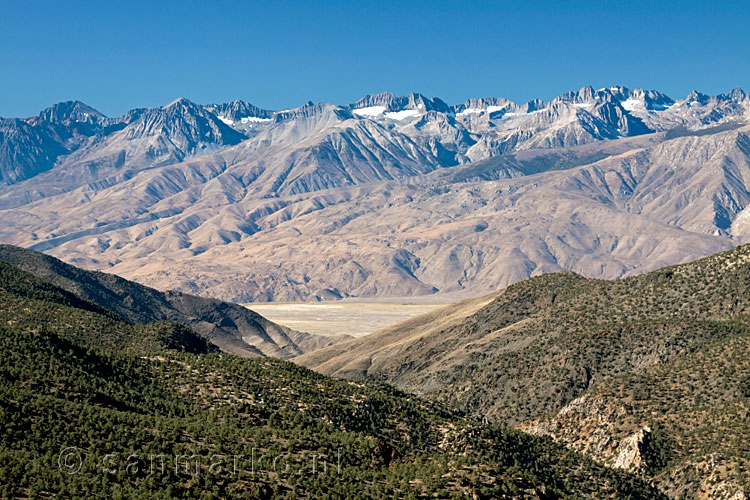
pixel 229 326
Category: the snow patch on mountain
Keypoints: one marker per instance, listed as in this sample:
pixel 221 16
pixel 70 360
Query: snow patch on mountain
pixel 403 114
pixel 370 111
pixel 254 119
pixel 631 104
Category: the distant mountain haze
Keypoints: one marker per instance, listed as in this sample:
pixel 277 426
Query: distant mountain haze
pixel 387 196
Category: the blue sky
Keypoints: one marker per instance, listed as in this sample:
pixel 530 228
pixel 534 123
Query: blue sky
pixel 120 55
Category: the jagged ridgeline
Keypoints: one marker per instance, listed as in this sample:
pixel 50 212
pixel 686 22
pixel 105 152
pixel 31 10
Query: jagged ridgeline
pixel 650 373
pixel 95 406
pixel 388 196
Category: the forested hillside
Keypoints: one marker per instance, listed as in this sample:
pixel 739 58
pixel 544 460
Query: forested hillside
pixel 94 406
pixel 593 363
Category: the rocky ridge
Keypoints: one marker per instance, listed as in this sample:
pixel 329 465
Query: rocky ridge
pixel 386 196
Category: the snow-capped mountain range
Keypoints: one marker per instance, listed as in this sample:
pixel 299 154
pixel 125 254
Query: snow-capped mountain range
pixel 74 133
pixel 387 195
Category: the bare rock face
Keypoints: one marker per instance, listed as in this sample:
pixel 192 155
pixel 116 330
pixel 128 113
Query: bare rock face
pixel 587 425
pixel 386 196
pixel 26 151
pixel 631 450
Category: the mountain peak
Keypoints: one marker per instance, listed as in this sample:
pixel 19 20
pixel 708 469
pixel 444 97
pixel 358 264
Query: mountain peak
pixel 312 109
pixel 695 96
pixel 70 111
pixel 180 101
pixel 385 99
pixel 240 111
pixel 391 103
pixel 736 94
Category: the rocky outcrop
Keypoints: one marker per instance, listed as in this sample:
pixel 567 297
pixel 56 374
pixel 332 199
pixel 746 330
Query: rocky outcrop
pixel 587 425
pixel 631 451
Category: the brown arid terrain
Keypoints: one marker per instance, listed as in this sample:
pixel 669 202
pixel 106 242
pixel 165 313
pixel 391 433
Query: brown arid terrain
pixel 342 317
pixel 649 373
pixel 386 197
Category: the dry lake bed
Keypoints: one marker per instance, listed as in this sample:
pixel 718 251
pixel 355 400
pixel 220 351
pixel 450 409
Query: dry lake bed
pixel 350 317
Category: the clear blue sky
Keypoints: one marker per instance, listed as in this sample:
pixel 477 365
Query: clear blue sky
pixel 278 54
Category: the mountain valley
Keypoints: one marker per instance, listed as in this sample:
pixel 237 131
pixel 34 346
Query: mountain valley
pixel 93 404
pixel 648 373
pixel 593 252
